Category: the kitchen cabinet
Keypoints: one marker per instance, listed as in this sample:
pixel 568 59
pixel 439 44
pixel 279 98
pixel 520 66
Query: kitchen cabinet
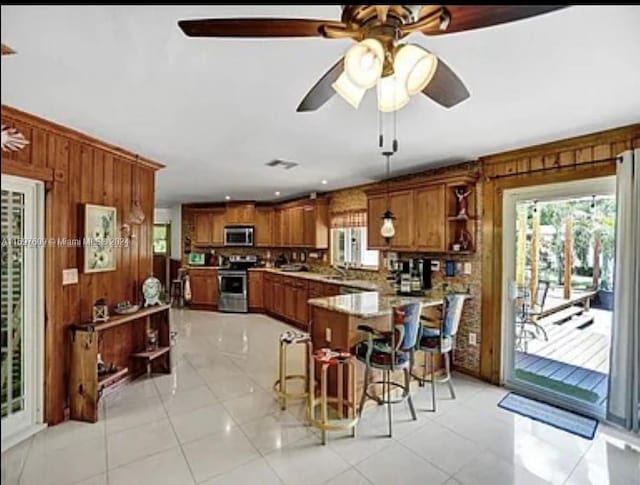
pixel 204 287
pixel 208 227
pixel 401 204
pixel 376 207
pixel 240 213
pixel 264 227
pixel 425 215
pixel 202 228
pixel 315 225
pixel 430 218
pixel 256 293
pixel 278 296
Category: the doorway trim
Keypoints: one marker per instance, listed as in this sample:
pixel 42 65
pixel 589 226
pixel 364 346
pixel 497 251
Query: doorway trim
pixel 34 311
pixel 552 191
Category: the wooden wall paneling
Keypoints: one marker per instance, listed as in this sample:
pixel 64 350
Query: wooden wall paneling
pixel 572 158
pixel 79 169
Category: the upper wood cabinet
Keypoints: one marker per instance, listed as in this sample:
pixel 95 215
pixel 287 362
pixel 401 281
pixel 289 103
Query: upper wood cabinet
pixel 240 213
pixel 401 204
pixel 299 224
pixel 430 218
pixel 208 226
pixel 303 225
pixel 202 228
pixel 264 236
pixel 377 205
pixel 424 214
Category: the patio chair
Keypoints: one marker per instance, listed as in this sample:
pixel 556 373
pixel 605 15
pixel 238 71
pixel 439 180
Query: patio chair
pixel 527 315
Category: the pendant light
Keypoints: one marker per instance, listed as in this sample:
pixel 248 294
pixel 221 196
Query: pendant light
pixel 387 231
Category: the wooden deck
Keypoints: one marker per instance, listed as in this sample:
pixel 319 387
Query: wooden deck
pixel 575 353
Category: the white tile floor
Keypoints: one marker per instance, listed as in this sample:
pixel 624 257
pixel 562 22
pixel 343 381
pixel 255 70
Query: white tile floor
pixel 215 421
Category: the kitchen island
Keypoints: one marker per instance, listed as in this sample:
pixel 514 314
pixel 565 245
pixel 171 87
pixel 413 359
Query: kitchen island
pixel 334 323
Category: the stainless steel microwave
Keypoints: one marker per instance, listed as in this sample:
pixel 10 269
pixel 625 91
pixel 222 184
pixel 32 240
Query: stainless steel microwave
pixel 238 235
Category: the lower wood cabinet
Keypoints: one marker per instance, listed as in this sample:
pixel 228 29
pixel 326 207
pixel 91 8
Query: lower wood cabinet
pixel 256 292
pixel 286 297
pixel 204 287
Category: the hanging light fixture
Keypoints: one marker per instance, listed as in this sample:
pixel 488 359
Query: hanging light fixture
pixel 387 231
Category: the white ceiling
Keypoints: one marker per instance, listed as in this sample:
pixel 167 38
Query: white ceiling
pixel 216 110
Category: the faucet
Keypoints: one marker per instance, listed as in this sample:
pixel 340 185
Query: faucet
pixel 343 272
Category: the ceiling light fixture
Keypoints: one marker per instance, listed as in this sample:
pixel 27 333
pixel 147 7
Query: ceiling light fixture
pixel 324 182
pixel 363 63
pixel 227 197
pixel 410 72
pixel 277 193
pixel 348 90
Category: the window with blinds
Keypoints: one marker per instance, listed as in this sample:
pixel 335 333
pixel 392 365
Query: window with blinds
pixel 12 316
pixel 349 241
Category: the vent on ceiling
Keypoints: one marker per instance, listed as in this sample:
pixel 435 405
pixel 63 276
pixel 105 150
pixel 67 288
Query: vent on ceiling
pixel 282 164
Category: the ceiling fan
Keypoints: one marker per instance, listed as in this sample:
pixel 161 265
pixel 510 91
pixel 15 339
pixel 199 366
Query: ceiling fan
pixel 398 70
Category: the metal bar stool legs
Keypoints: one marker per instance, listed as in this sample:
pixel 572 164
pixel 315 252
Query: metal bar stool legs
pixel 280 386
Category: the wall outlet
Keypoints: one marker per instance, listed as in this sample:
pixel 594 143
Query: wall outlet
pixel 467 268
pixel 473 338
pixel 69 276
pixel 327 335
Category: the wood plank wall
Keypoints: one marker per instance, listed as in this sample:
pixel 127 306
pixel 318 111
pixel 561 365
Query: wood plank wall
pixel 516 169
pixel 79 169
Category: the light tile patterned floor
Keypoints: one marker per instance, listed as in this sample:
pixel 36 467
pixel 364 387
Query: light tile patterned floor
pixel 215 421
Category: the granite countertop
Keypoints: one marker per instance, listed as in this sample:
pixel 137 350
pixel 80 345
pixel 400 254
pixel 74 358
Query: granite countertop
pixel 369 304
pixel 360 284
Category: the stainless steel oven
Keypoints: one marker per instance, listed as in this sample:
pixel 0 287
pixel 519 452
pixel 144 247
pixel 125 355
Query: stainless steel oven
pixel 233 291
pixel 238 235
pixel 233 283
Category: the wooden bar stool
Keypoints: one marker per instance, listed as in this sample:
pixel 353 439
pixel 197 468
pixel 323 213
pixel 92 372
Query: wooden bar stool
pixel 342 360
pixel 291 337
pixel 176 292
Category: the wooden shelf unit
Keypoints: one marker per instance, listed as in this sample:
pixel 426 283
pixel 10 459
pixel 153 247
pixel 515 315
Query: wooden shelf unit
pixel 121 340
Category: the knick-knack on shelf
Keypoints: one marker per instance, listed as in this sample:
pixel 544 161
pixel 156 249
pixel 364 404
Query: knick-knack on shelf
pixel 100 310
pixel 462 196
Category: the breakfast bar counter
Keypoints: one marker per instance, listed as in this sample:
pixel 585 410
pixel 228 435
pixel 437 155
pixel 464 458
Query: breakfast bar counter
pixel 369 304
pixel 334 323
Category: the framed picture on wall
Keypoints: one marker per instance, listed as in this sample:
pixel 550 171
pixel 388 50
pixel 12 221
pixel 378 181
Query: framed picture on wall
pixel 100 226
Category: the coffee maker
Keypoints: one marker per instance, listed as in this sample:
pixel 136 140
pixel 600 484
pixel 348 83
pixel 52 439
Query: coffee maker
pixel 413 276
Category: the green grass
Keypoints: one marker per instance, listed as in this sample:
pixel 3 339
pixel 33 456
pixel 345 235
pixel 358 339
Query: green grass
pixel 557 386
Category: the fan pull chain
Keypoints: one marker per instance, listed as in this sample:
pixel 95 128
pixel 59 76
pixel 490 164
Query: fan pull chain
pixel 380 135
pixel 395 131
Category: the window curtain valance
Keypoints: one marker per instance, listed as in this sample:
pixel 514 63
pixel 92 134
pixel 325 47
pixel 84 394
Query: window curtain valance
pixel 356 218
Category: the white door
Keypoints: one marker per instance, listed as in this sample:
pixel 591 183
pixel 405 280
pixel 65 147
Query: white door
pixel 21 308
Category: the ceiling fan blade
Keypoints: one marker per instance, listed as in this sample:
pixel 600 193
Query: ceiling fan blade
pixel 469 17
pixel 6 50
pixel 446 88
pixel 322 91
pixel 256 27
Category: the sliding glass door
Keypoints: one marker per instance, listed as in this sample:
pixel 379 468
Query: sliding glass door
pixel 21 307
pixel 558 261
